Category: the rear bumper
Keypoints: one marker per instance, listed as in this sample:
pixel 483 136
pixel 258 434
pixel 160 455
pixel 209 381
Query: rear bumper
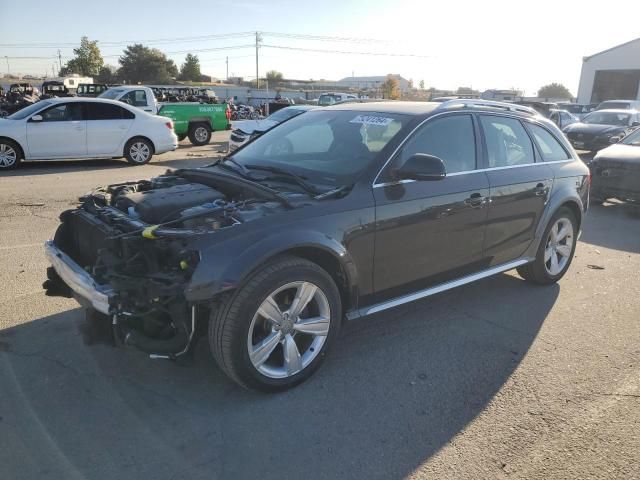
pixel 78 279
pixel 167 147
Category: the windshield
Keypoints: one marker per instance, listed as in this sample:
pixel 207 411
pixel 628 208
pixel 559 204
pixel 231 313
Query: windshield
pixel 111 94
pixel 284 114
pixel 632 139
pixel 25 112
pixel 327 147
pixel 607 118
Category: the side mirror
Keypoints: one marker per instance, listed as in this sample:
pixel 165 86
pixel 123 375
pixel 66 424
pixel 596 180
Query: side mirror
pixel 422 167
pixel 36 118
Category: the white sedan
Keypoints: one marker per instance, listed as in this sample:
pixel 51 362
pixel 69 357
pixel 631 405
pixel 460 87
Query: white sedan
pixel 79 128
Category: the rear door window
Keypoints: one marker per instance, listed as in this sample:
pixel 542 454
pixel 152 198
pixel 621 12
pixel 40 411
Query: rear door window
pixel 107 111
pixel 508 143
pixel 549 146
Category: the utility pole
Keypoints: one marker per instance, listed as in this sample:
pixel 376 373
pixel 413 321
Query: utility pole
pixel 60 59
pixel 227 69
pixel 53 73
pixel 258 40
pixel 8 69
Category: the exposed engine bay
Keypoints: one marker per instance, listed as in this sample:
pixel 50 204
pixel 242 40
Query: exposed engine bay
pixel 137 239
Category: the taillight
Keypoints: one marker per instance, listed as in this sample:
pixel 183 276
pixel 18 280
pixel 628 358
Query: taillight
pixel 169 125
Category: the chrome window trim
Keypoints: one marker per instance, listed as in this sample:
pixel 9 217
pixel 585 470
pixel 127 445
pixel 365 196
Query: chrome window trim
pixel 479 170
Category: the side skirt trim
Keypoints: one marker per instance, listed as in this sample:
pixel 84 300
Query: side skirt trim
pixel 363 312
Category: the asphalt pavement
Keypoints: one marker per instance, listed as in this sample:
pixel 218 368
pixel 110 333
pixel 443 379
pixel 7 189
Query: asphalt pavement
pixel 498 379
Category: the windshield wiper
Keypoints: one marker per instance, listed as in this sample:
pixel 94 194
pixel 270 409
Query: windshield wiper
pixel 220 163
pixel 306 186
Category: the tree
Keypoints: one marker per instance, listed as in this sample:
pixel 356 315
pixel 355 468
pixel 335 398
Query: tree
pixel 421 84
pixel 107 74
pixel 190 69
pixel 555 90
pixel 391 88
pixel 274 76
pixel 465 91
pixel 140 64
pixel 410 84
pixel 87 61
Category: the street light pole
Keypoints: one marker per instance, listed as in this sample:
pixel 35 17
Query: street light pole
pixel 8 69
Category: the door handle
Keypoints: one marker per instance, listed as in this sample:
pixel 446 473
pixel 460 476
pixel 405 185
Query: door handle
pixel 122 127
pixel 79 128
pixel 476 200
pixel 540 190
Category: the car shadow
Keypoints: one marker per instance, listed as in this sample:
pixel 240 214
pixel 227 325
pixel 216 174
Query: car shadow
pixel 190 157
pixel 613 217
pixel 396 388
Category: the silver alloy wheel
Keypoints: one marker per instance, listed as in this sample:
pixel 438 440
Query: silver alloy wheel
pixel 139 152
pixel 8 156
pixel 201 134
pixel 557 252
pixel 289 329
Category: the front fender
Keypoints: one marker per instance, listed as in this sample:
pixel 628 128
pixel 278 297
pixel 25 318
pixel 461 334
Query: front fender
pixel 226 266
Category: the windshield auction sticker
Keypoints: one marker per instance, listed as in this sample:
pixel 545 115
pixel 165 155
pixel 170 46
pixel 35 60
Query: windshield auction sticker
pixel 372 120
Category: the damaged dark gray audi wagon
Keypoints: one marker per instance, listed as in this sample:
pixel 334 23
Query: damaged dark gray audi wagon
pixel 333 215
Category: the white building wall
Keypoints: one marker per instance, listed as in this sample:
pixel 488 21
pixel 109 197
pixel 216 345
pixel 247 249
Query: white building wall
pixel 624 57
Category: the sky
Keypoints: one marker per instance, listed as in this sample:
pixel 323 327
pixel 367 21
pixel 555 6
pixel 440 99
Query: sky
pixel 481 44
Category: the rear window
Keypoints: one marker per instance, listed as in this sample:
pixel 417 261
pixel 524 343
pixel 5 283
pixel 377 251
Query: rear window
pixel 614 106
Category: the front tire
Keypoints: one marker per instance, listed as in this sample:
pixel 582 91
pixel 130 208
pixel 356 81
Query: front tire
pixel 200 134
pixel 275 330
pixel 10 155
pixel 556 250
pixel 138 151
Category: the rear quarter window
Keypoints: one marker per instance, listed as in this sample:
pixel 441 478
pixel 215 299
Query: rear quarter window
pixel 550 148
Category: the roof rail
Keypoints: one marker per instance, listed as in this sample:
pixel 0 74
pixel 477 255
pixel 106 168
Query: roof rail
pixel 474 102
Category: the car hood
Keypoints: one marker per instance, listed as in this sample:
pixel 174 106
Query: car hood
pixel 250 126
pixel 620 152
pixel 594 129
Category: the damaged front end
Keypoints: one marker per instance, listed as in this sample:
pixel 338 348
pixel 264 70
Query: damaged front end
pixel 129 251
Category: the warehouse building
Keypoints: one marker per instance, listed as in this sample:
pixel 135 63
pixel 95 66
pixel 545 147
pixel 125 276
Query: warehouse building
pixel 611 74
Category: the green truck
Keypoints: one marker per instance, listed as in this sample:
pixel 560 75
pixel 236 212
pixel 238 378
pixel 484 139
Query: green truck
pixel 197 120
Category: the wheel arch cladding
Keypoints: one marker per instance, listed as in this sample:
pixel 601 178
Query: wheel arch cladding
pixel 198 120
pixel 217 273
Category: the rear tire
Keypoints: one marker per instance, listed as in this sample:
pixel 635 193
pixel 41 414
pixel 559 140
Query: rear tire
pixel 556 250
pixel 138 151
pixel 199 134
pixel 10 154
pixel 263 338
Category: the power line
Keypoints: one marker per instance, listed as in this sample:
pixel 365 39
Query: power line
pixel 221 36
pixel 343 52
pixel 299 36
